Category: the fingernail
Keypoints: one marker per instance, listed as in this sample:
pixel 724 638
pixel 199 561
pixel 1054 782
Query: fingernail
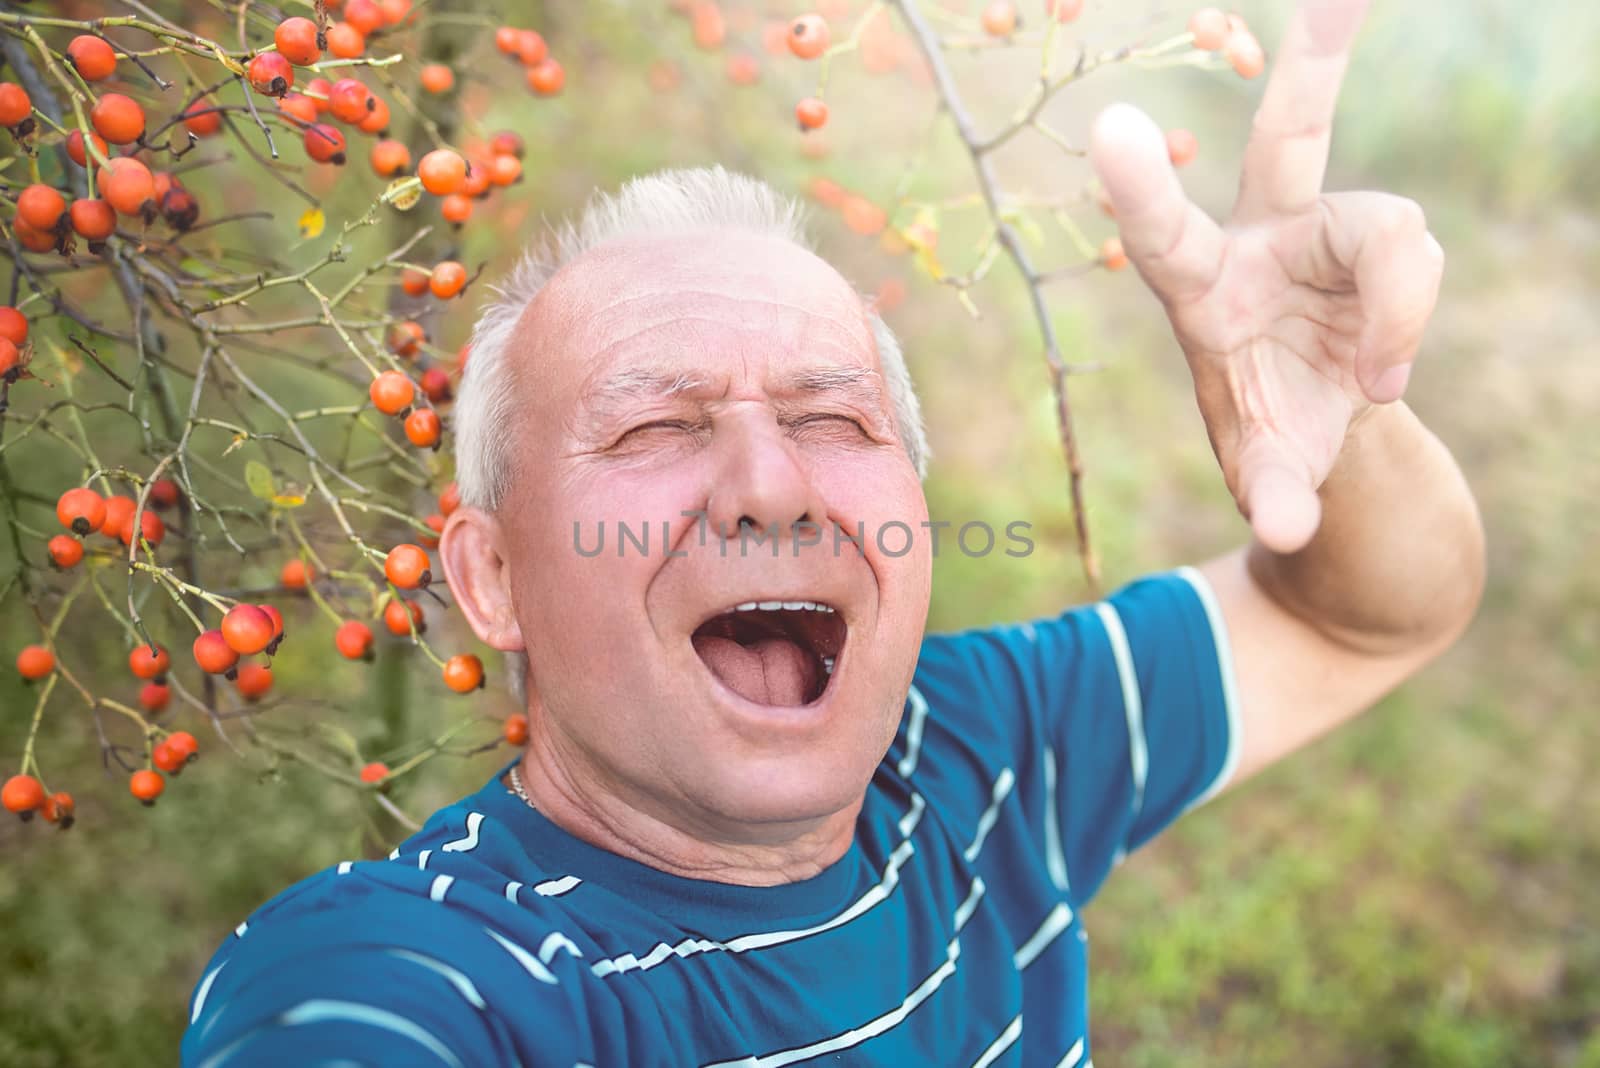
pixel 1391 384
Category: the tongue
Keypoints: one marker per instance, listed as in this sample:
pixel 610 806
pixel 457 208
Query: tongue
pixel 772 671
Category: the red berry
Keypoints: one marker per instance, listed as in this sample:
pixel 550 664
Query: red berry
pixel 146 785
pixel 1210 28
pixel 391 392
pixel 247 629
pixel 147 665
pixel 353 639
pixel 213 653
pixel 449 499
pixel 296 574
pixel 374 772
pixel 516 729
pixel 423 427
pixel 271 74
pixel 437 78
pixel 163 756
pixel 58 808
pixel 40 206
pixel 447 279
pixel 77 153
pixel 81 510
pixel 811 113
pixel 13 325
pixel 350 100
pixel 399 615
pixel 254 681
pixel 153 696
pixel 93 220
pixel 184 744
pixel 117 118
pixel 65 551
pixel 296 39
pixel 325 144
pixel 547 78
pixel 345 41
pixel 809 36
pixel 407 566
pixel 202 119
pixel 436 384
pixel 463 673
pixel 35 662
pixel 999 19
pixel 127 185
pixel 442 171
pixel 15 104
pixel 22 794
pixel 95 59
pixel 390 158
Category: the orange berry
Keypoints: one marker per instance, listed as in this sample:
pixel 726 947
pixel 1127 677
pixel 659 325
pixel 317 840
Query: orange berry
pixel 1182 147
pixel 391 392
pixel 296 39
pixel 1210 29
pixel 15 104
pixel 350 100
pixel 179 207
pixel 254 681
pixel 296 574
pixel 394 11
pixel 1243 53
pixel 811 113
pixel 59 808
pixel 463 673
pixel 77 153
pixel 809 36
pixel 999 18
pixel 390 158
pixel 504 169
pixel 405 339
pixel 407 566
pixel 164 494
pixel 65 551
pixel 93 220
pixel 436 524
pixel 345 41
pixel 353 639
pixel 709 28
pixel 81 510
pixel 247 629
pixel 168 759
pixel 94 57
pixel 151 528
pixel 414 281
pixel 35 662
pixel 506 39
pixel 531 48
pixel 184 744
pixel 516 729
pixel 153 696
pixel 317 90
pixel 119 513
pixel 277 626
pixel 40 206
pixel 436 384
pixel 117 118
pixel 743 69
pixel 450 499
pixel 863 216
pixel 325 144
pixel 127 185
pixel 399 615
pixel 442 171
pixel 1112 255
pixel 1066 10
pixel 547 78
pixel 374 772
pixel 377 120
pixel 477 183
pixel 507 143
pixel 456 208
pixel 13 325
pixel 10 358
pixel 364 15
pixel 202 119
pixel 146 785
pixel 437 78
pixel 22 794
pixel 146 664
pixel 447 279
pixel 300 107
pixel 270 74
pixel 213 653
pixel 422 428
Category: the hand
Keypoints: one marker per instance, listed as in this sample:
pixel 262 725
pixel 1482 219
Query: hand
pixel 1306 308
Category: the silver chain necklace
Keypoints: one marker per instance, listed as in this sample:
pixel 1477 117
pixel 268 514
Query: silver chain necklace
pixel 516 785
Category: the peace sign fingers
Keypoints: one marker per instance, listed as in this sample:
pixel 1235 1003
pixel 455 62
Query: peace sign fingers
pixel 1288 150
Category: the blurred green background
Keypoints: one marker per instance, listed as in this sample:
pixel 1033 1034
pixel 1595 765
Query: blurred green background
pixel 1419 890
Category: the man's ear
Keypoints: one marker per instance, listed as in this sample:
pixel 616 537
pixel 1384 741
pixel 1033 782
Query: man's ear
pixel 472 550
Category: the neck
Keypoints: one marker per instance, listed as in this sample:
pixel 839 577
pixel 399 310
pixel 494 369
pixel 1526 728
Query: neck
pixel 681 840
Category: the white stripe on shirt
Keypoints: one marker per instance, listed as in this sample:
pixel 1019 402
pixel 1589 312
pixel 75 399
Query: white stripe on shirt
pixel 1058 920
pixel 1132 701
pixel 1012 1031
pixel 991 815
pixel 1230 685
pixel 919 717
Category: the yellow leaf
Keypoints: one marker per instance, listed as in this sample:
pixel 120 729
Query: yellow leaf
pixel 312 222
pixel 70 362
pixel 285 500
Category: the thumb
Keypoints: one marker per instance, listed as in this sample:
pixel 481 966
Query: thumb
pixel 1277 496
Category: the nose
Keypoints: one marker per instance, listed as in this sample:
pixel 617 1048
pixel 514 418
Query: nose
pixel 761 478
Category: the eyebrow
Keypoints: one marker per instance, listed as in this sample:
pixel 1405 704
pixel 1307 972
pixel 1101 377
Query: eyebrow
pixel 629 388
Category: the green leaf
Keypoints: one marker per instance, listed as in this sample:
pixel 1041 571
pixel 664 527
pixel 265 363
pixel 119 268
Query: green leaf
pixel 259 479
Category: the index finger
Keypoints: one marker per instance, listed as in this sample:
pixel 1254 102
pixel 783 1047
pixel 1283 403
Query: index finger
pixel 1288 150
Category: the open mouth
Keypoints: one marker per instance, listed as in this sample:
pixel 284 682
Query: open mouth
pixel 773 652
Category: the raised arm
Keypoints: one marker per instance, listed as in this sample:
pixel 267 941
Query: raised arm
pixel 1300 319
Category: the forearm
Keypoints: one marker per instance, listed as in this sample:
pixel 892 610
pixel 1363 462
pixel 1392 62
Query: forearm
pixel 1398 561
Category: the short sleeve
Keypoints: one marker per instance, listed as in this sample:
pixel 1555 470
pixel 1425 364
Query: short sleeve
pixel 1117 716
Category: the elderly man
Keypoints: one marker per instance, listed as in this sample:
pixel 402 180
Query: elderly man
pixel 761 818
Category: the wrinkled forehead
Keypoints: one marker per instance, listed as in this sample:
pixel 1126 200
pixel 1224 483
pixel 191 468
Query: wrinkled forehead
pixel 743 309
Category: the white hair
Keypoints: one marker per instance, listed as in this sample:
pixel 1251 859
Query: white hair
pixel 666 202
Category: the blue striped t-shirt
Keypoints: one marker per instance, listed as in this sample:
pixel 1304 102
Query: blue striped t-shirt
pixel 1030 759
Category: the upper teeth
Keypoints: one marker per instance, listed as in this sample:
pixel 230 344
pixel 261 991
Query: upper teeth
pixel 773 606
